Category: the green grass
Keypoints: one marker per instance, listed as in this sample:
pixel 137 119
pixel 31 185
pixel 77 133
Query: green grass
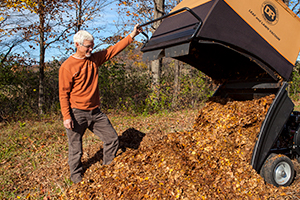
pixel 297 106
pixel 27 147
pixel 34 153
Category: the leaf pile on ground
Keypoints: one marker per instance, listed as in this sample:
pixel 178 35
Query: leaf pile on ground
pixel 209 162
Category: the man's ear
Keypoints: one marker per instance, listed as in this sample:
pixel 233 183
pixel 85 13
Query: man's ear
pixel 76 44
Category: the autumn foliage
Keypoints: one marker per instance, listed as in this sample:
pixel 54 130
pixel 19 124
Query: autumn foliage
pixel 209 162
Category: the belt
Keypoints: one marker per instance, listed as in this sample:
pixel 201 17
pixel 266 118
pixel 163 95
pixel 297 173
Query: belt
pixel 94 111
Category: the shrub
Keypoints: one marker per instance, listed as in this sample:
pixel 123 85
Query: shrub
pixel 121 88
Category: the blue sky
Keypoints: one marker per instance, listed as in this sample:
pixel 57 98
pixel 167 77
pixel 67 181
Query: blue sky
pixel 110 17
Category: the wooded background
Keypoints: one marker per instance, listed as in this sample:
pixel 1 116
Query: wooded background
pixel 29 84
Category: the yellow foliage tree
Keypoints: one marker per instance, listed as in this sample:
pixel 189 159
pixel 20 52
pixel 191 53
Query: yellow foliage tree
pixel 45 22
pixel 26 4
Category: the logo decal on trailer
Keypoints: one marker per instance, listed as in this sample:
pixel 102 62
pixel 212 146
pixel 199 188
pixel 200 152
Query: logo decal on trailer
pixel 270 12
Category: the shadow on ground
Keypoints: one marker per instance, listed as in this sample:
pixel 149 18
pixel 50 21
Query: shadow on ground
pixel 131 138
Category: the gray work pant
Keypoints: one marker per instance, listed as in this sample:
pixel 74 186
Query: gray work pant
pixel 99 124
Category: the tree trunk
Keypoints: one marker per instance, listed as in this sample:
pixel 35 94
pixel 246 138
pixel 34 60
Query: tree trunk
pixel 176 79
pixel 176 83
pixel 192 76
pixel 42 57
pixel 156 65
pixel 78 15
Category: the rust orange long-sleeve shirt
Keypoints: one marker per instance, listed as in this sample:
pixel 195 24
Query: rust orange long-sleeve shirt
pixel 78 79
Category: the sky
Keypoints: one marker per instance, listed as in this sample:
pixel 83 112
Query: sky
pixel 107 21
pixel 110 17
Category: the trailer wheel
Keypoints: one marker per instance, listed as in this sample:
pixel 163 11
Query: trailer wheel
pixel 278 170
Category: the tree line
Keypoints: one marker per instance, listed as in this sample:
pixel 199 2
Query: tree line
pixel 28 83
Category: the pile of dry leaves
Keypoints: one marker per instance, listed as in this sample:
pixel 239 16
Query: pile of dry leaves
pixel 209 162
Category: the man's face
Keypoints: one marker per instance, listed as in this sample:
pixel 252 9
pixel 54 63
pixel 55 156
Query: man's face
pixel 86 48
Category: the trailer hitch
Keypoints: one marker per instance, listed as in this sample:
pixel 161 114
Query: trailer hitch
pixel 174 13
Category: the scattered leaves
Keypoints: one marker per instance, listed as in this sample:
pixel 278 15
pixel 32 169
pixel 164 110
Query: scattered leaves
pixel 209 162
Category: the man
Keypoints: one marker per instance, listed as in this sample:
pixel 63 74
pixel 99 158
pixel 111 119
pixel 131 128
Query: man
pixel 79 99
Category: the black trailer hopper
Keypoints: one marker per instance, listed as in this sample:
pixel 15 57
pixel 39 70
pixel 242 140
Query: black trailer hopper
pixel 248 46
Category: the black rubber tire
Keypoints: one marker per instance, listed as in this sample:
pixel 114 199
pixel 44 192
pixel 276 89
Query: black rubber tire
pixel 278 170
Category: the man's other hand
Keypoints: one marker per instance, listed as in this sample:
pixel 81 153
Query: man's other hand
pixel 68 123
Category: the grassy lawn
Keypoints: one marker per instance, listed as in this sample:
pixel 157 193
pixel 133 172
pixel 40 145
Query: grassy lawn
pixel 34 154
pixel 297 106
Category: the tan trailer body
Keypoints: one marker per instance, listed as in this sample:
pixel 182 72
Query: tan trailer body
pixel 271 19
pixel 265 31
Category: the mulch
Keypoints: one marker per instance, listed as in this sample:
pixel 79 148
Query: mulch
pixel 209 162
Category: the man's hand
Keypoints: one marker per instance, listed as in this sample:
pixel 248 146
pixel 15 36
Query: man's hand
pixel 68 123
pixel 137 30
